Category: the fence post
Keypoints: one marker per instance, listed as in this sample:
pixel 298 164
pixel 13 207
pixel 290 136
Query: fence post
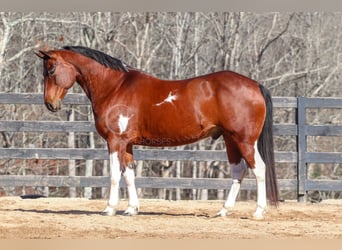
pixel 301 148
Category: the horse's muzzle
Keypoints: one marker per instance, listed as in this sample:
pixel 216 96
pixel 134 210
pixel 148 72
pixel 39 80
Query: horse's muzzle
pixel 53 108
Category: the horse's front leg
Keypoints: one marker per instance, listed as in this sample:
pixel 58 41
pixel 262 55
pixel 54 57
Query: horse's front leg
pixel 129 177
pixel 133 203
pixel 121 163
pixel 115 176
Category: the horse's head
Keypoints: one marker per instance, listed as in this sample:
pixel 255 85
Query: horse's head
pixel 59 76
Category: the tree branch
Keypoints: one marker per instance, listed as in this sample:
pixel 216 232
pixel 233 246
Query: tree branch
pixel 261 53
pixel 20 53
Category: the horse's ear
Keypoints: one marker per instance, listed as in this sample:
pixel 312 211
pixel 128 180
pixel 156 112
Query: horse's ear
pixel 42 55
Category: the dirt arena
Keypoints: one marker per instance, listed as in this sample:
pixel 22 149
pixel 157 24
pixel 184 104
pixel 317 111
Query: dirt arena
pixel 64 218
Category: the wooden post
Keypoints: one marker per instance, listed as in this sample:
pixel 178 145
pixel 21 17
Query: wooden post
pixel 138 174
pixel 105 172
pixel 71 163
pixel 301 149
pixel 178 175
pixel 194 176
pixel 89 163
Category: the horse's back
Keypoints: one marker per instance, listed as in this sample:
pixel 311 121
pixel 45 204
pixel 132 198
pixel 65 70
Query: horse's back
pixel 232 79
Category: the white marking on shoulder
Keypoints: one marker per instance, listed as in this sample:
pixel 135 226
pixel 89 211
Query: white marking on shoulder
pixel 170 98
pixel 123 123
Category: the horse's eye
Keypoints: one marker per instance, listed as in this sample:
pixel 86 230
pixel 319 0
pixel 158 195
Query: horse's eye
pixel 52 71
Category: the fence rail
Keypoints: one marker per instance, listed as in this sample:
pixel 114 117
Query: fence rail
pixel 304 130
pixel 301 130
pixel 139 154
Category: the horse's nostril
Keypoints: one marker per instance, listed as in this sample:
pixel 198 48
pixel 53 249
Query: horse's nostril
pixel 49 106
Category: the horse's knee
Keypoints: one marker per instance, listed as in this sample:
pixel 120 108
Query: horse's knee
pixel 114 180
pixel 129 176
pixel 115 173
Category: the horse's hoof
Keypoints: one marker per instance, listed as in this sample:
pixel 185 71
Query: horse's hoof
pixel 224 212
pixel 131 211
pixel 258 216
pixel 109 211
pixel 259 213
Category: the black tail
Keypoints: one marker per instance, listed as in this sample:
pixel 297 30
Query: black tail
pixel 266 150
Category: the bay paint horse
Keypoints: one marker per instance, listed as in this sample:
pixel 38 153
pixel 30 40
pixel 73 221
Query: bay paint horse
pixel 134 108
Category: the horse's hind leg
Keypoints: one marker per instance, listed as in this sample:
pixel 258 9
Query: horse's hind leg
pixel 240 156
pixel 260 175
pixel 238 170
pixel 254 160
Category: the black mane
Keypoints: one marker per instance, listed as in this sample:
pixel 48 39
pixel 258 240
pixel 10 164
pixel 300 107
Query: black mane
pixel 100 57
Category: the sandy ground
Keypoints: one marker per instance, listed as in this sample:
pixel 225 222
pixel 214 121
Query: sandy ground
pixel 64 218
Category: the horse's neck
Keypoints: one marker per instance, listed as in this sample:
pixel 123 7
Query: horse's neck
pixel 95 78
pixel 97 81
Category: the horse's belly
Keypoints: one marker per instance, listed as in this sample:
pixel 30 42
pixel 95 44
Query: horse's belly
pixel 179 136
